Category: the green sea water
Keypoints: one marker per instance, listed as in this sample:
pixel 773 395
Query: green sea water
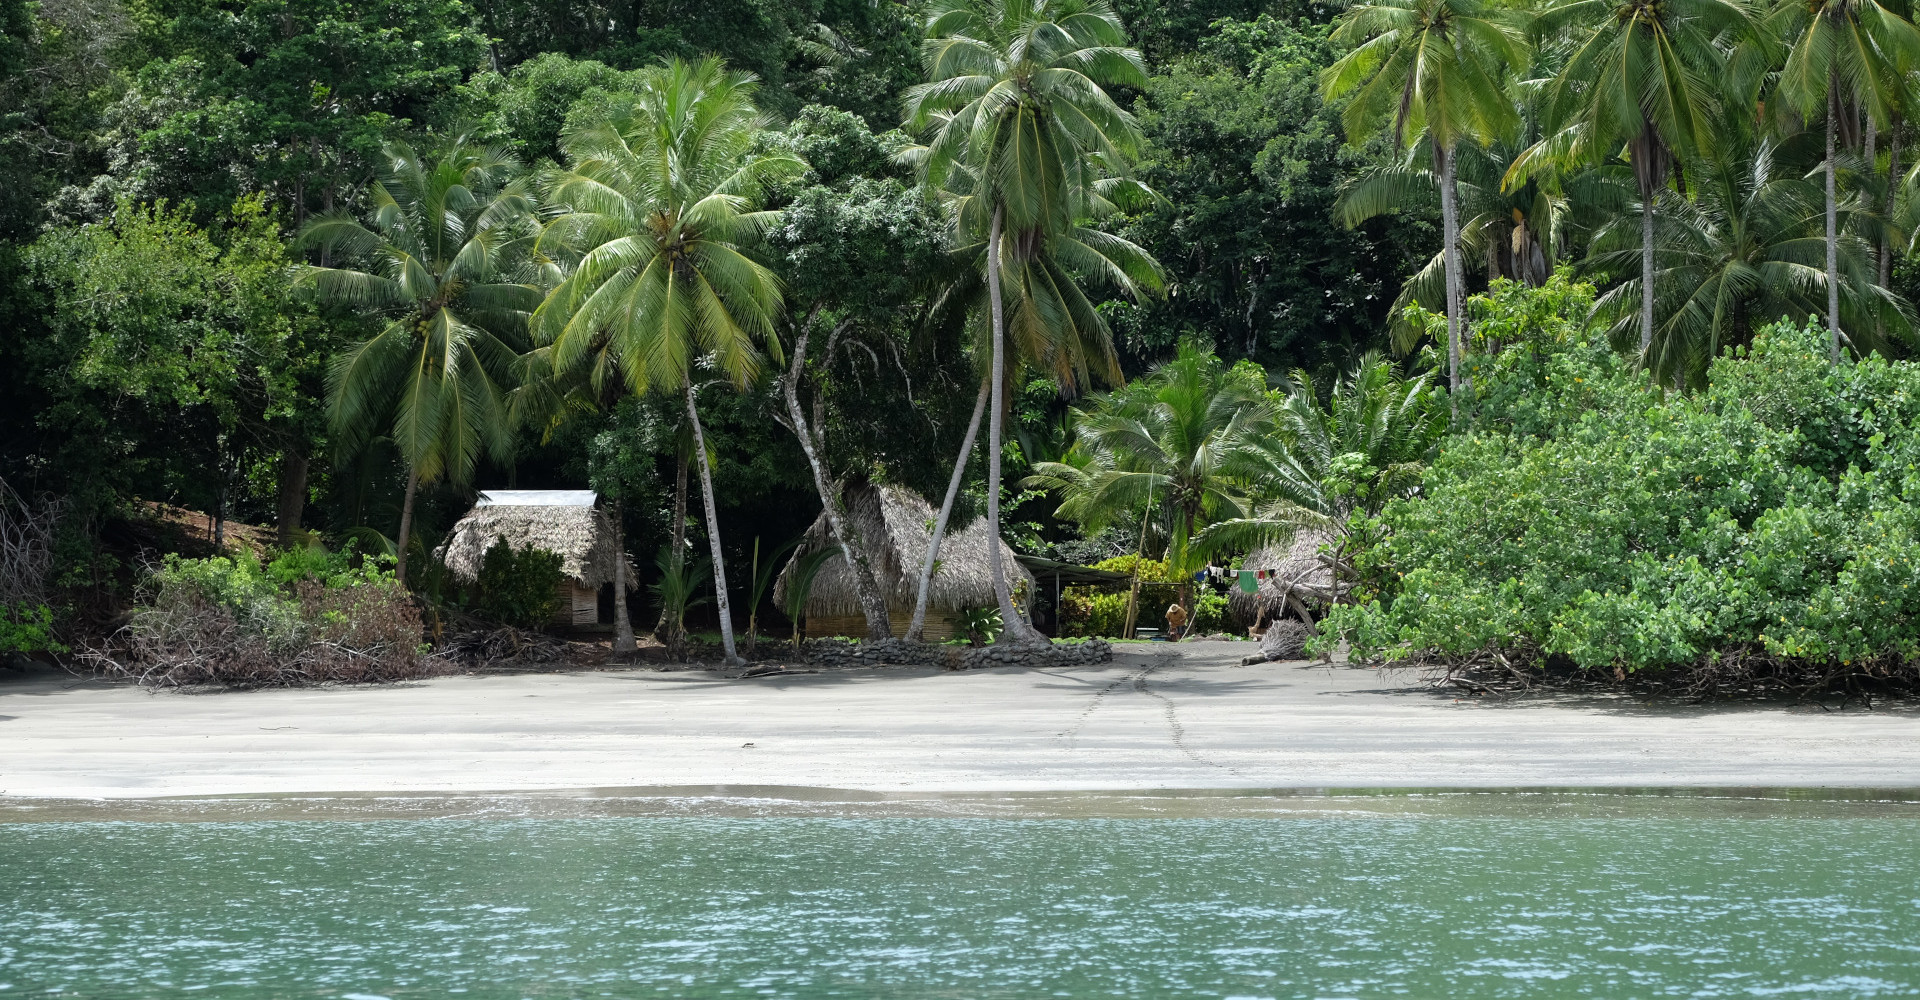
pixel 1321 904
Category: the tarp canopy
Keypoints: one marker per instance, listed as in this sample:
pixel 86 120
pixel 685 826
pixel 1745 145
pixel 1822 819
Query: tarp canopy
pixel 1068 573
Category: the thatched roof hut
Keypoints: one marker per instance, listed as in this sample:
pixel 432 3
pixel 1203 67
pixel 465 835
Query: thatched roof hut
pixel 901 523
pixel 1296 569
pixel 568 523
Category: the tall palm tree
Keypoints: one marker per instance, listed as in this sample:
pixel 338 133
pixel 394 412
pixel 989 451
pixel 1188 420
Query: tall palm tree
pixel 442 261
pixel 1016 95
pixel 1842 52
pixel 1051 321
pixel 1647 75
pixel 659 196
pixel 1432 67
pixel 1516 231
pixel 1743 251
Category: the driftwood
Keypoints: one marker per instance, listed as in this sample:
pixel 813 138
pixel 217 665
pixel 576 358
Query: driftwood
pixel 351 635
pixel 26 546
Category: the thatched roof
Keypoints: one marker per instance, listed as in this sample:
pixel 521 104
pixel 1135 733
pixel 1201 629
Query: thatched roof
pixel 569 526
pixel 1297 567
pixel 902 523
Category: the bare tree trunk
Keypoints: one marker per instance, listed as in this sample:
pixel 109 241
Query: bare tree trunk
pixel 1012 629
pixel 713 532
pixel 1450 225
pixel 873 604
pixel 1833 233
pixel 406 527
pixel 946 510
pixel 671 623
pixel 622 621
pixel 292 500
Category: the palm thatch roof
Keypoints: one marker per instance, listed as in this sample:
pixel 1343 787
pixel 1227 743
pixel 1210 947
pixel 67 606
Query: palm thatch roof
pixel 901 523
pixel 1296 568
pixel 564 522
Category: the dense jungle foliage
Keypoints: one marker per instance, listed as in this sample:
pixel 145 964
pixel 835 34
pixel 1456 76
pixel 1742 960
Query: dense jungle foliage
pixel 1577 338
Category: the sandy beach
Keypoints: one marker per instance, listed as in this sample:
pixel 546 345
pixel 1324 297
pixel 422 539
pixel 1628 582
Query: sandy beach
pixel 1158 717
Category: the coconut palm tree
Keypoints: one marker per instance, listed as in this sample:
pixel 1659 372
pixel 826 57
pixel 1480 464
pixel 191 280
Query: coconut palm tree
pixel 1168 437
pixel 1515 232
pixel 1851 53
pixel 442 261
pixel 1054 326
pixel 1016 94
pixel 1743 251
pixel 1429 67
pixel 1649 76
pixel 1320 465
pixel 659 196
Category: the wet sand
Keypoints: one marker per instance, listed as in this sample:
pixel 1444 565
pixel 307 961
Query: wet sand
pixel 1158 717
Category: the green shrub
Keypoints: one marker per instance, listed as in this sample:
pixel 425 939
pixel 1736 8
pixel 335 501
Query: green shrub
pixel 519 587
pixel 1765 528
pixel 27 628
pixel 1106 614
pixel 1209 611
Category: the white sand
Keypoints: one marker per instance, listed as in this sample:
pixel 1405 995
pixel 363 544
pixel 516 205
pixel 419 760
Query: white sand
pixel 1192 720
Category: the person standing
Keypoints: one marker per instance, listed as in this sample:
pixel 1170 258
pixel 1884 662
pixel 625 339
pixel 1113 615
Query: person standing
pixel 1176 621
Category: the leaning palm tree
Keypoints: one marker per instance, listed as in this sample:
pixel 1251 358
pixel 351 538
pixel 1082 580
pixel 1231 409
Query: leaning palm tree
pixel 659 196
pixel 1649 76
pixel 1016 94
pixel 442 258
pixel 1432 67
pixel 1842 53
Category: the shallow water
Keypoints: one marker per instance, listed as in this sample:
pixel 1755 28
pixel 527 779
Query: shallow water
pixel 1387 903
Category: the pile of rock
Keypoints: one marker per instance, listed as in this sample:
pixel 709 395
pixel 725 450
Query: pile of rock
pixel 899 652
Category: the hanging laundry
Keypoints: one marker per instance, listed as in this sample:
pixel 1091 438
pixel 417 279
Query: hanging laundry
pixel 1247 584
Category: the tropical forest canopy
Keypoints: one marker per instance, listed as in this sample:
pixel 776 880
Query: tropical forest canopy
pixel 333 266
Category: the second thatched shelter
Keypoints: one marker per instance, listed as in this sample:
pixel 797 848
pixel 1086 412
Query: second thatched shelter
pixel 898 526
pixel 1297 575
pixel 567 523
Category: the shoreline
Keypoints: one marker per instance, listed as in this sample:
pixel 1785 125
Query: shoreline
pixel 724 802
pixel 1186 717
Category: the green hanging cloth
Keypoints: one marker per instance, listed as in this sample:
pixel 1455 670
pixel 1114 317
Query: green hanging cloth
pixel 1247 583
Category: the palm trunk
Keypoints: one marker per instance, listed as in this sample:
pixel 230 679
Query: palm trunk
pixel 946 510
pixel 713 531
pixel 1833 232
pixel 671 620
pixel 1646 277
pixel 1011 627
pixel 1450 234
pixel 292 500
pixel 406 526
pixel 873 604
pixel 622 622
pixel 1893 179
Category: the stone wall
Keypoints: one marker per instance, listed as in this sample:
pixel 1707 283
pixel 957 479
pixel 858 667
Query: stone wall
pixel 899 652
